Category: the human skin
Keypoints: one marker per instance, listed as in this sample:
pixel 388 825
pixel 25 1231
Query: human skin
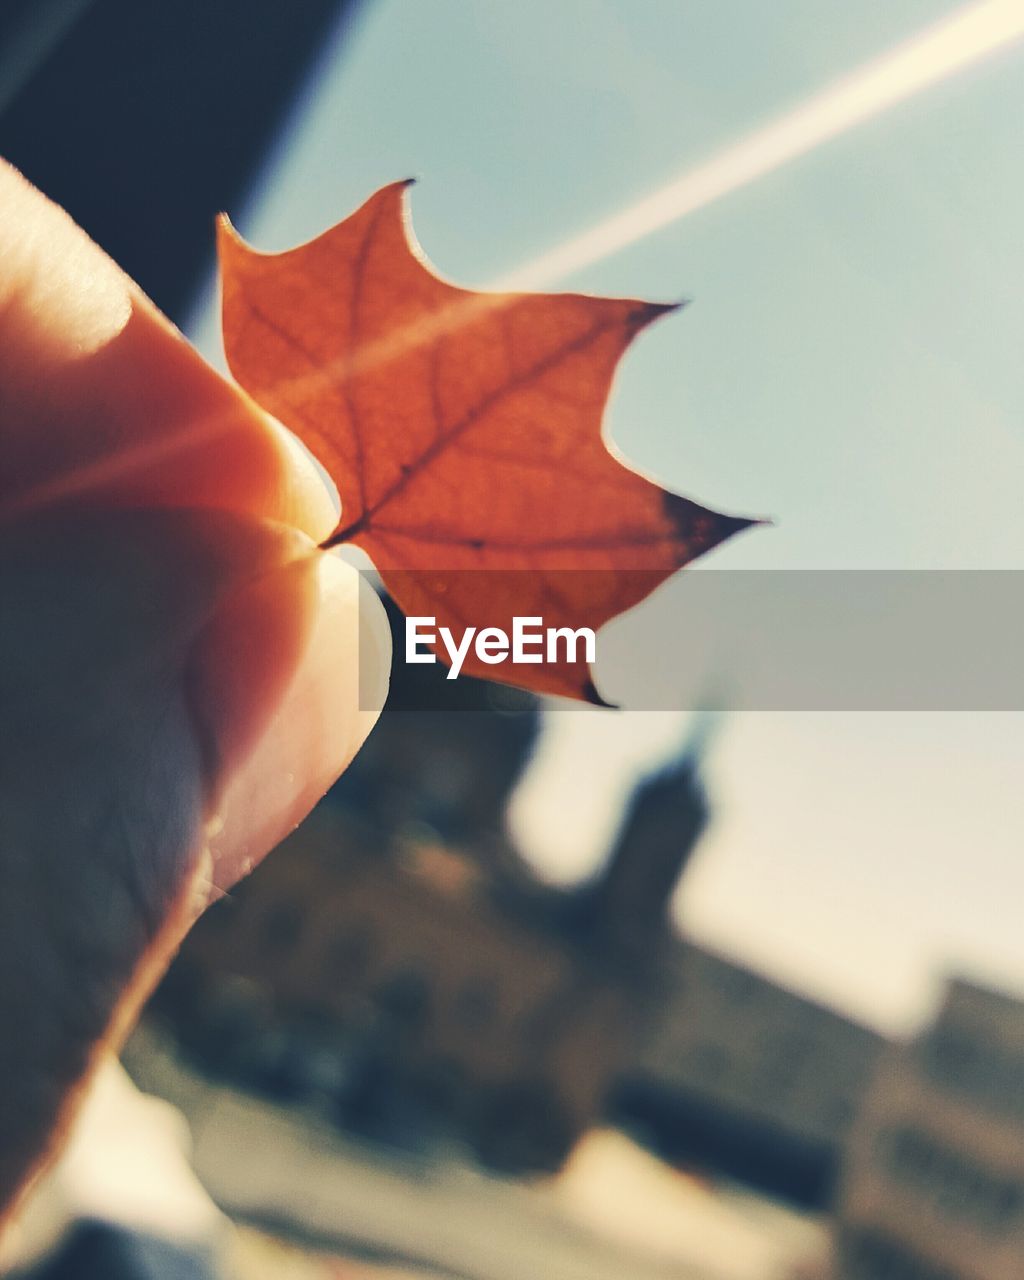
pixel 178 679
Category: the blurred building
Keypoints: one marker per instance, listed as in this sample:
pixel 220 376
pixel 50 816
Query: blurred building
pixel 397 961
pixel 933 1185
pixel 400 972
pixel 742 1076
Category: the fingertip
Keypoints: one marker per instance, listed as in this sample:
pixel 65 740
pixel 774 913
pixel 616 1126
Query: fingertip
pixel 311 501
pixel 61 297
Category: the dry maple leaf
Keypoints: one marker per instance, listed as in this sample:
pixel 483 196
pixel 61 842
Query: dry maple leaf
pixel 462 429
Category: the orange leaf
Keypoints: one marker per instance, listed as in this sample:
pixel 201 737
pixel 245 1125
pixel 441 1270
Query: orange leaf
pixel 462 429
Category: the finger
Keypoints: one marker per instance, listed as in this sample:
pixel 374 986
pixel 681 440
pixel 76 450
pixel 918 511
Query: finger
pixel 104 401
pixel 112 623
pixel 274 771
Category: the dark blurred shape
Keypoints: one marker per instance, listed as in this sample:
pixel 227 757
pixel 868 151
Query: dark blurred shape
pixel 145 119
pixel 102 1251
pixel 694 1131
pixel 524 1127
pixel 29 30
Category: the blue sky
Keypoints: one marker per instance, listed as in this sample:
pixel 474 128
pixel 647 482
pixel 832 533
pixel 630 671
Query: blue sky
pixel 851 366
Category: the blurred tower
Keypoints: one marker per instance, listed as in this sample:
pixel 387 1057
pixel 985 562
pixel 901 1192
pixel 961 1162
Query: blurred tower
pixel 628 906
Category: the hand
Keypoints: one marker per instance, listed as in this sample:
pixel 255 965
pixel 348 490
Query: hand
pixel 178 680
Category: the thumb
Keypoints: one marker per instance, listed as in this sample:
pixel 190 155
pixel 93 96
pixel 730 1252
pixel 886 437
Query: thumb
pixel 178 679
pixel 163 675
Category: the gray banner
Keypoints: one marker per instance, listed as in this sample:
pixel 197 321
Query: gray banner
pixel 772 641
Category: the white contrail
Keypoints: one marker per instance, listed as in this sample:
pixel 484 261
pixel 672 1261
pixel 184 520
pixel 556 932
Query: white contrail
pixel 951 46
